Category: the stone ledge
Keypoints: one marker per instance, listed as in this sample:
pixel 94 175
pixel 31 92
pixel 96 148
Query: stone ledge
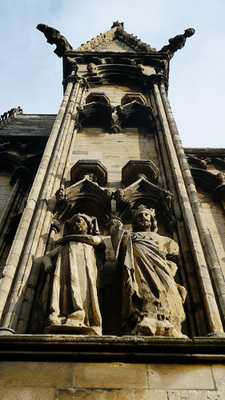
pixel 111 348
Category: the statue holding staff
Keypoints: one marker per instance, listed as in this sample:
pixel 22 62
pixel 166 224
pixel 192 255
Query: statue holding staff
pixel 152 302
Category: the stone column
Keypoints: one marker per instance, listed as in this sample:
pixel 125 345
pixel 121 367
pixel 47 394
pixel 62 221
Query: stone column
pixel 206 240
pixel 39 244
pixel 214 321
pixel 33 229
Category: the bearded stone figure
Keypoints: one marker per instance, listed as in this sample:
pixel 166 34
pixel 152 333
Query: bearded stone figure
pixel 68 296
pixel 152 302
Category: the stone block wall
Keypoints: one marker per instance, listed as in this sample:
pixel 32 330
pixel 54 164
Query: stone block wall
pixel 114 150
pixel 114 93
pixel 110 381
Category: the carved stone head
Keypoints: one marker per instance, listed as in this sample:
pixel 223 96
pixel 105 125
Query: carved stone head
pixel 220 178
pixel 82 224
pixel 144 219
pixel 189 32
pixel 60 194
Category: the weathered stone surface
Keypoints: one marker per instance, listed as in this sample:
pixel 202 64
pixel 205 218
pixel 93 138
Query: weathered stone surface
pixel 195 395
pixel 114 150
pixel 110 381
pixel 36 374
pixel 219 376
pixel 180 377
pixel 114 375
pixel 148 395
pixel 96 394
pixel 24 393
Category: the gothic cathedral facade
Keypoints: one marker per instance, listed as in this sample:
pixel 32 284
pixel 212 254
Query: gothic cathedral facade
pixel 112 245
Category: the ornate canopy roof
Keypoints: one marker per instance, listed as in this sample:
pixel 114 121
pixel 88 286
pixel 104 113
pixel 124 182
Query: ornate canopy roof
pixel 115 54
pixel 114 40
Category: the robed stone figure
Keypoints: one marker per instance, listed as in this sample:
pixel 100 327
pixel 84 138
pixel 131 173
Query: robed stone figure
pixel 152 302
pixel 67 295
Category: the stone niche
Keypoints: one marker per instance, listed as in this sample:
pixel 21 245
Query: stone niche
pixel 86 285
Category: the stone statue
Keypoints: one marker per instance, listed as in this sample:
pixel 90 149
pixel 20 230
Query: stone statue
pixel 91 68
pixel 177 42
pixel 115 120
pixel 53 36
pixel 69 297
pixel 152 302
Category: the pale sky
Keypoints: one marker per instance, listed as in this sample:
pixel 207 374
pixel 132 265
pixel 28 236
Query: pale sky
pixel 31 73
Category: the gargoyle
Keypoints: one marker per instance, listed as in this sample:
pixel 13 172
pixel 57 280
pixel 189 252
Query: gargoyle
pixel 177 42
pixel 53 36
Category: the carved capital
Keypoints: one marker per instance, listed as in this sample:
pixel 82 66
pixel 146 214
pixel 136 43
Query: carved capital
pixel 83 82
pixel 135 169
pixel 157 79
pixel 55 225
pixel 94 169
pixel 142 191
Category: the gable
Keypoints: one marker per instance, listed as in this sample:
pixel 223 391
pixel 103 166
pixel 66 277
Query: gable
pixel 114 45
pixel 116 40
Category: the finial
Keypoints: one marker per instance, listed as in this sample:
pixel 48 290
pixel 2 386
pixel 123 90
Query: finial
pixel 117 24
pixel 10 114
